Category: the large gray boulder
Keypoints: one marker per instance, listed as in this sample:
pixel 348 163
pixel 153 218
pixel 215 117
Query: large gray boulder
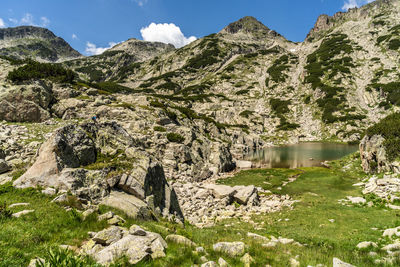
pixel 68 147
pixel 26 103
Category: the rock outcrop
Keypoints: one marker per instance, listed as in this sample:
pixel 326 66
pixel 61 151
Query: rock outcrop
pixel 374 156
pixel 26 103
pixel 115 242
pixel 140 190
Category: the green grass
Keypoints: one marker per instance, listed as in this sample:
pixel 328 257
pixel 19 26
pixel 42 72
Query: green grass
pixel 33 234
pixel 268 179
pixel 317 189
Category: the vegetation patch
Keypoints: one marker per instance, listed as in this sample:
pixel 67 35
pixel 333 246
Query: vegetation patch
pixel 33 70
pixel 280 109
pixel 175 138
pixel 389 128
pixel 326 63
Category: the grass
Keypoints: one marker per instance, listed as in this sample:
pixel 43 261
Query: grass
pixel 33 234
pixel 268 179
pixel 317 189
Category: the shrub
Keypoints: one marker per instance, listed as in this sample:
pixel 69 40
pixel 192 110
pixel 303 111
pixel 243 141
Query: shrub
pixel 159 129
pixel 175 138
pixel 111 87
pixel 389 128
pixel 394 44
pixel 5 213
pixel 34 70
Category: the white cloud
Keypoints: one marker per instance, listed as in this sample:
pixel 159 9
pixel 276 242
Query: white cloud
pixel 355 3
pixel 166 33
pixel 44 22
pixel 2 24
pixel 92 49
pixel 29 19
pixel 74 36
pixel 141 2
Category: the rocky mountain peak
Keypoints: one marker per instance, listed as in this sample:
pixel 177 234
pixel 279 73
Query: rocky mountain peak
pixel 26 32
pixel 248 25
pixel 35 42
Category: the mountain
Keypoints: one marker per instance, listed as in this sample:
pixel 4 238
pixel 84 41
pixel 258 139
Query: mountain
pixel 151 131
pixel 331 86
pixel 121 56
pixel 35 42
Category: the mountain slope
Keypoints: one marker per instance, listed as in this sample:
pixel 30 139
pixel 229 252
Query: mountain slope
pixel 34 42
pixel 115 60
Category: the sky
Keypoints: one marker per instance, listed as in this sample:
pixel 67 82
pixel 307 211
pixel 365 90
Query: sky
pixel 93 26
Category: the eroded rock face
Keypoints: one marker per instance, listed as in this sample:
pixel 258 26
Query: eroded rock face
pixel 69 147
pixel 110 244
pixel 26 103
pixel 141 193
pixel 373 155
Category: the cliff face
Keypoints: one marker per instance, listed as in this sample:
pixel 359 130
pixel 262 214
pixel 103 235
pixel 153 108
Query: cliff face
pixel 34 42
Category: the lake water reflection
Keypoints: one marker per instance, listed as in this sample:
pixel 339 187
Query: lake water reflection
pixel 300 155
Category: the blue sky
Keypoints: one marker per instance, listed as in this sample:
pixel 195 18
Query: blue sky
pixel 90 26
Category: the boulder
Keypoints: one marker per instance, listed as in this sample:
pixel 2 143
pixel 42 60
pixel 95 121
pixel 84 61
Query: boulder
pixel 129 204
pixel 209 264
pixel 232 249
pixel 243 164
pixel 243 193
pixel 178 239
pixel 221 191
pixel 68 147
pixel 26 103
pixel 338 263
pixel 366 244
pixel 135 248
pixel 4 167
pixel 108 236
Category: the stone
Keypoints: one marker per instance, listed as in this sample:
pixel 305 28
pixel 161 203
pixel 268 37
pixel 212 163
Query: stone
pixel 87 213
pixel 61 198
pixel 4 178
pixel 392 247
pixel 356 200
pixel 246 260
pixel 390 232
pixel 157 247
pixel 243 193
pixel 18 205
pixel 366 244
pixel 294 263
pixel 200 250
pixel 135 248
pixel 49 191
pixel 178 239
pixel 338 263
pixel 4 167
pixel 68 147
pixel 36 262
pixel 108 236
pixel 116 220
pixel 137 230
pixel 106 216
pixel 232 249
pixel 131 205
pixel 222 262
pixel 21 213
pixel 258 237
pixel 285 241
pixel 220 191
pixel 270 244
pixel 209 264
pixel 242 164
